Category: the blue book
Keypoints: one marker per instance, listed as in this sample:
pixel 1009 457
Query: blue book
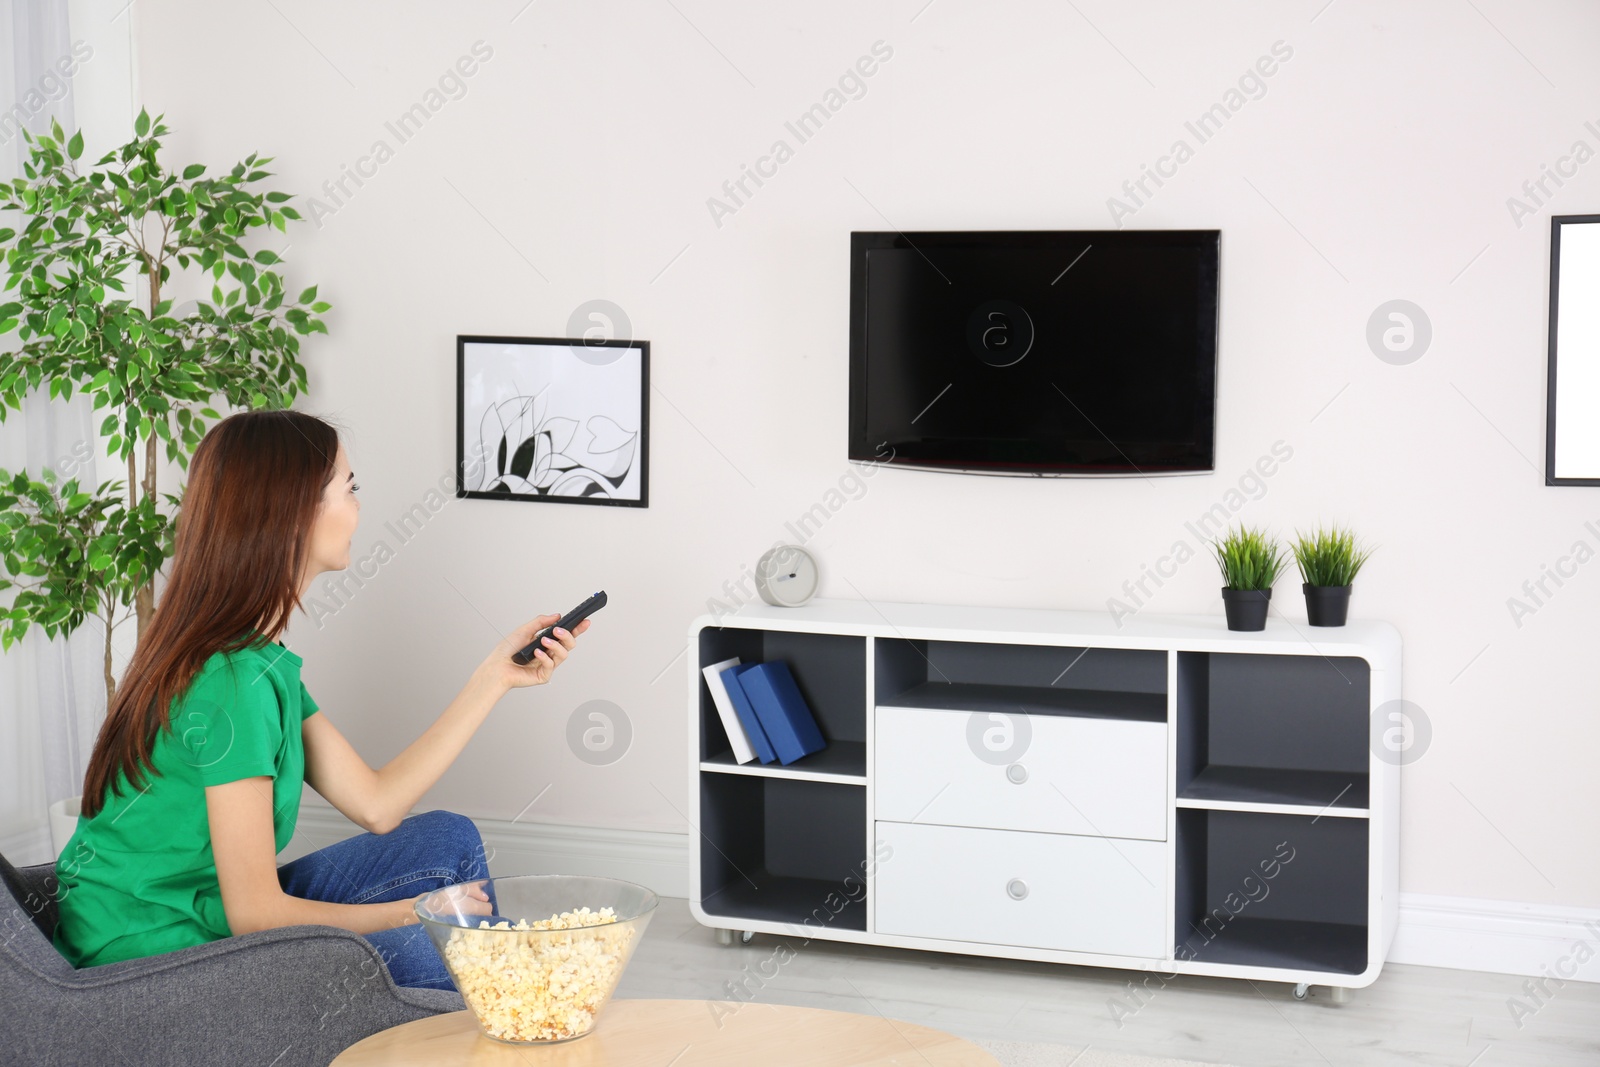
pixel 789 724
pixel 746 713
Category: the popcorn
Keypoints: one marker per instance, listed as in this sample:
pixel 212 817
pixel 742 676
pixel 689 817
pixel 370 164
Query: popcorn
pixel 540 987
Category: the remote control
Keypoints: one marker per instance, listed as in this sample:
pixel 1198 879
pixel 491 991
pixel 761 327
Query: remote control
pixel 568 621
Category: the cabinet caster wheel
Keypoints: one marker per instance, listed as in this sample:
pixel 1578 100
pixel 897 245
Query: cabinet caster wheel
pixel 746 937
pixel 724 937
pixel 1300 990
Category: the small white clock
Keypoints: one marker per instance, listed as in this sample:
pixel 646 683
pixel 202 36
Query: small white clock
pixel 787 576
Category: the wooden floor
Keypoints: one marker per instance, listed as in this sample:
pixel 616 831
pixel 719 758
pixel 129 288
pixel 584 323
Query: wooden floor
pixel 1411 1015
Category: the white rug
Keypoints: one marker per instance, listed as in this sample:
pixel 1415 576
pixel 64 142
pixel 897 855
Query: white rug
pixel 1031 1054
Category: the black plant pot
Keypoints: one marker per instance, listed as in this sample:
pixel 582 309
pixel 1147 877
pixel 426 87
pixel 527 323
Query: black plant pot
pixel 1246 608
pixel 1327 605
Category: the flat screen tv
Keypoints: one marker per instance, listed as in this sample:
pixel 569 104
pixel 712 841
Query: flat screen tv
pixel 1035 352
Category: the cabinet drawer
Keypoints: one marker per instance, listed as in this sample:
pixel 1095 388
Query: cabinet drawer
pixel 1106 777
pixel 1079 894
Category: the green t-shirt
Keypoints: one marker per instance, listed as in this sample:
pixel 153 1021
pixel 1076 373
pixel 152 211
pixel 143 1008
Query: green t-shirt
pixel 139 878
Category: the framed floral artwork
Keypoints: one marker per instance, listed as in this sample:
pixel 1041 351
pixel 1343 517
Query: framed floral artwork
pixel 554 420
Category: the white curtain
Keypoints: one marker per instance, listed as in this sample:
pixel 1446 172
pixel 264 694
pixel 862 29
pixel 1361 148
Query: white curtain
pixel 52 693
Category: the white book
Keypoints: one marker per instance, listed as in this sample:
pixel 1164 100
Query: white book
pixel 742 752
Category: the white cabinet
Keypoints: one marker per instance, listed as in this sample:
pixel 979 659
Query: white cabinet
pixel 1106 777
pixel 1004 887
pixel 1157 792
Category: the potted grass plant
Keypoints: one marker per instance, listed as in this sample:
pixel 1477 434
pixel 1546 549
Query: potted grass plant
pixel 1251 561
pixel 1329 560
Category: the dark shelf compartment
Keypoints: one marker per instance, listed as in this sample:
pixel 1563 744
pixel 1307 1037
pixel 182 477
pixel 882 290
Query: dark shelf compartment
pixel 780 849
pixel 788 899
pixel 1266 889
pixel 1102 683
pixel 1271 785
pixel 840 757
pixel 1033 700
pixel 1274 729
pixel 1338 948
pixel 830 669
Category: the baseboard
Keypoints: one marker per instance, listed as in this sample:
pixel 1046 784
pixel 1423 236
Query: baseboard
pixel 1454 932
pixel 1499 936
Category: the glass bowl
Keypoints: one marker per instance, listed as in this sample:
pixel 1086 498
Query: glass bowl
pixel 536 986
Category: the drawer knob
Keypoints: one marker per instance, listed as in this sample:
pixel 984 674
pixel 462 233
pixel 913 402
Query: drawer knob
pixel 1017 773
pixel 1017 888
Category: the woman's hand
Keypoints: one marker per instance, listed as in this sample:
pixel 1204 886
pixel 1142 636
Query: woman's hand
pixel 500 669
pixel 464 898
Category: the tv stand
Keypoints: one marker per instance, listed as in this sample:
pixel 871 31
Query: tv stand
pixel 1166 795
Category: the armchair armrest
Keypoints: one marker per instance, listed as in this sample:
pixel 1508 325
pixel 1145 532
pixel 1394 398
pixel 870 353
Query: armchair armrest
pixel 301 994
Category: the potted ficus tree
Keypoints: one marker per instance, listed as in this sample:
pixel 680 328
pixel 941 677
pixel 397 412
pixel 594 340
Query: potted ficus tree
pixel 1251 561
pixel 1329 560
pixel 82 246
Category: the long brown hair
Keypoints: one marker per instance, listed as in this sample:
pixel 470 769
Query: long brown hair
pixel 243 536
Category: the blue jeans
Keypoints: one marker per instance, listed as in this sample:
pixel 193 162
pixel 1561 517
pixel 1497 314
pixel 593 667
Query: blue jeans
pixel 425 852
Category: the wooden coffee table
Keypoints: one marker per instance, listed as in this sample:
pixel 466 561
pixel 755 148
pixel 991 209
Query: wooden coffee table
pixel 683 1033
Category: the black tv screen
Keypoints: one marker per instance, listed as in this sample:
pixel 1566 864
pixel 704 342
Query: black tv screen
pixel 1041 352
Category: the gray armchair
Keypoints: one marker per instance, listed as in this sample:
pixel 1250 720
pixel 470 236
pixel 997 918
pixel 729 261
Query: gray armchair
pixel 291 997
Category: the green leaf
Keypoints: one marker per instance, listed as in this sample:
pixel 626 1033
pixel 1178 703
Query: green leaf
pixel 141 125
pixel 75 146
pixel 193 171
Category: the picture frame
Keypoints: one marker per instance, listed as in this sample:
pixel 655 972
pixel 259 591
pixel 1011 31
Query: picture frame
pixel 1572 432
pixel 558 420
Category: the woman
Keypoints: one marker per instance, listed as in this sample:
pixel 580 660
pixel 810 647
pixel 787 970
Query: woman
pixel 194 785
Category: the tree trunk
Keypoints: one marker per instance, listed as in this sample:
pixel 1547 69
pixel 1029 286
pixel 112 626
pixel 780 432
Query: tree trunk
pixel 111 679
pixel 139 597
pixel 149 485
pixel 144 602
pixel 144 599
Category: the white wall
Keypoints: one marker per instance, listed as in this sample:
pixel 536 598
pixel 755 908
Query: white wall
pixel 1376 166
